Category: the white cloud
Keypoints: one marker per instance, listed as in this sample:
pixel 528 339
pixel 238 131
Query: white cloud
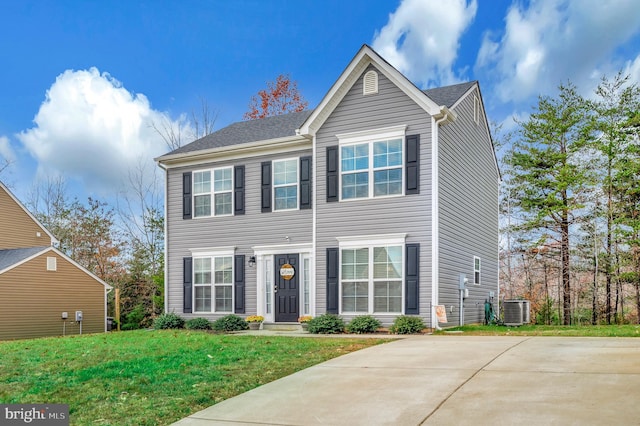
pixel 422 39
pixel 547 42
pixel 90 128
pixel 6 152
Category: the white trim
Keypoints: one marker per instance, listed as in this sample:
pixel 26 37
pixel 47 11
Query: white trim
pixel 212 192
pixel 53 240
pixel 314 225
pixel 285 145
pixel 282 249
pixel 371 240
pixel 212 251
pixel 212 256
pixel 392 132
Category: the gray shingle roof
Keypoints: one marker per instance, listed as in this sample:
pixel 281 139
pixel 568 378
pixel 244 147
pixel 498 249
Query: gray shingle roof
pixel 278 126
pixel 448 95
pixel 12 256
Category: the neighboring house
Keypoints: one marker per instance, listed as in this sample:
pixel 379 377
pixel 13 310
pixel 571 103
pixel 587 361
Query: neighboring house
pixel 373 203
pixel 38 282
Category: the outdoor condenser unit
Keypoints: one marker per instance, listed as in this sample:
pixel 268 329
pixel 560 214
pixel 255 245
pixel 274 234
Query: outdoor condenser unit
pixel 513 312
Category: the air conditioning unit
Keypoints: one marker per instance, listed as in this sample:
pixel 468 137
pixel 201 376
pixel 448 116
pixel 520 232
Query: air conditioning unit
pixel 514 312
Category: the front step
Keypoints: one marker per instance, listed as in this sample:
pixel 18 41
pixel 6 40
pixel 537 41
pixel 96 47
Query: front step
pixel 282 326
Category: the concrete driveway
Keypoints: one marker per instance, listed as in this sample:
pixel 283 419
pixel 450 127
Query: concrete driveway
pixel 453 380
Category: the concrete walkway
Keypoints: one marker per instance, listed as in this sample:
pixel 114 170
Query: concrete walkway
pixel 452 380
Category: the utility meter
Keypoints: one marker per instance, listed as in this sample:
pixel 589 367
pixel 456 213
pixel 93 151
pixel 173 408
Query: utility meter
pixel 78 316
pixel 65 315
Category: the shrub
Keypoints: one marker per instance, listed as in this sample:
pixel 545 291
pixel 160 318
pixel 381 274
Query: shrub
pixel 407 325
pixel 133 320
pixel 363 324
pixel 230 323
pixel 198 324
pixel 168 320
pixel 326 324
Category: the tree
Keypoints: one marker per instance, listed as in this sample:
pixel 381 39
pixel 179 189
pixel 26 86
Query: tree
pixel 611 109
pixel 280 97
pixel 549 179
pixel 186 129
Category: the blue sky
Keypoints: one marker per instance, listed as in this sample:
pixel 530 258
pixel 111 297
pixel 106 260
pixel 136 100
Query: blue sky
pixel 82 82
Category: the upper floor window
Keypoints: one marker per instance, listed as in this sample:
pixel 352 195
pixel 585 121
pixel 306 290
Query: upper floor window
pixel 476 270
pixel 219 189
pixel 371 165
pixel 285 184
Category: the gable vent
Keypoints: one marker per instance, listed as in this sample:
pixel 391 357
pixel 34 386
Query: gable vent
pixel 52 264
pixel 370 84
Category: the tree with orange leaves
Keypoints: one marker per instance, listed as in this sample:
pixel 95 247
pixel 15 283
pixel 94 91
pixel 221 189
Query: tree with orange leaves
pixel 280 97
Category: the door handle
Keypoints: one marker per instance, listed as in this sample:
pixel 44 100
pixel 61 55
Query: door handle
pixel 275 289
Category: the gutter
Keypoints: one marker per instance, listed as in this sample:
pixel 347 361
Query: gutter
pixel 443 117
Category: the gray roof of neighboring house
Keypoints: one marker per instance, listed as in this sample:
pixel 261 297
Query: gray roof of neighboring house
pixel 448 95
pixel 10 257
pixel 280 126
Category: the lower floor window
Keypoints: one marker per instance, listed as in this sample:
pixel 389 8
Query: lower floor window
pixel 213 288
pixel 371 279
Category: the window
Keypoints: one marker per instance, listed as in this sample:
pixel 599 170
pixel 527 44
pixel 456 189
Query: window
pixel 306 285
pixel 476 270
pixel 371 279
pixel 268 282
pixel 285 184
pixel 213 283
pixel 372 163
pixel 221 192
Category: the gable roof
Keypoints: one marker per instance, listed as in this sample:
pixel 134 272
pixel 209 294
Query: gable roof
pixel 449 95
pixel 11 257
pixel 275 127
pixel 366 56
pixel 436 101
pixel 33 218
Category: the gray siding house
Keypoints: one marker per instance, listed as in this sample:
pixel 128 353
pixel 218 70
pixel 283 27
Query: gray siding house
pixel 379 201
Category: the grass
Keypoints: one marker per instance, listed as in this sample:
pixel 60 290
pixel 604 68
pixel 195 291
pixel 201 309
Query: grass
pixel 549 330
pixel 152 377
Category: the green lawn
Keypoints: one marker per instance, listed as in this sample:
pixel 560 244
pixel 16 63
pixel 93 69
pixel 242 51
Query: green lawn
pixel 549 330
pixel 152 377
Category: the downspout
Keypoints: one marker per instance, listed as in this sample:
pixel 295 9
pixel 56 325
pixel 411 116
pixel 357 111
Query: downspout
pixel 443 116
pixel 166 238
pixel 314 216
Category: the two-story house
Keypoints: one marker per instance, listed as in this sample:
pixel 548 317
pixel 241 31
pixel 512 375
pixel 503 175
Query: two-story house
pixel 376 202
pixel 41 288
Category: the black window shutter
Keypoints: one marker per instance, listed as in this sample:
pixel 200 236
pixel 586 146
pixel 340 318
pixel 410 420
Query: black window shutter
pixel 412 166
pixel 412 280
pixel 332 173
pixel 187 287
pixel 186 195
pixel 305 182
pixel 238 190
pixel 238 283
pixel 333 280
pixel 266 186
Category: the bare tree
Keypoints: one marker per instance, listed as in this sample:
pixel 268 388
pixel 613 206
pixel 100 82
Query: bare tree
pixel 186 129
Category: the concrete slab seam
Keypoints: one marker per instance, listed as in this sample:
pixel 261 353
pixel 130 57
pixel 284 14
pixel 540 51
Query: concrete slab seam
pixel 471 377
